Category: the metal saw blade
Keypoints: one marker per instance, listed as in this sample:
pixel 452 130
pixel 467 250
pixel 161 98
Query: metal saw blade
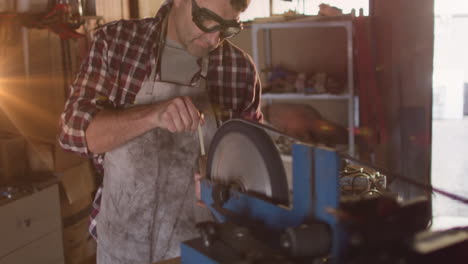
pixel 243 154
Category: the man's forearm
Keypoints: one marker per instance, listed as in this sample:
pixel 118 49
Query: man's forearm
pixel 112 128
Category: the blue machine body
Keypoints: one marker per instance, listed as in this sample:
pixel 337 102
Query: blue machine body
pixel 315 189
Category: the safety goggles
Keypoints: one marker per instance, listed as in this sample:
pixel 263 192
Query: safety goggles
pixel 208 21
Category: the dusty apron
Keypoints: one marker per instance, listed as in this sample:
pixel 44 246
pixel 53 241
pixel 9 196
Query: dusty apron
pixel 148 200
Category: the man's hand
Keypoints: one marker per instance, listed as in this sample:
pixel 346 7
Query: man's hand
pixel 178 115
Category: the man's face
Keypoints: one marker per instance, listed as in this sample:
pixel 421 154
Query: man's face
pixel 198 42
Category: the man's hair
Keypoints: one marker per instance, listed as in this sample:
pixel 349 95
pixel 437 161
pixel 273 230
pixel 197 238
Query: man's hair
pixel 240 5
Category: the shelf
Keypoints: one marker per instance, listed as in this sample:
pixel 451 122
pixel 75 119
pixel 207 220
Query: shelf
pixel 302 24
pixel 298 96
pixel 266 28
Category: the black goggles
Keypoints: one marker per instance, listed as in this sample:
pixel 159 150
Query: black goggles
pixel 208 22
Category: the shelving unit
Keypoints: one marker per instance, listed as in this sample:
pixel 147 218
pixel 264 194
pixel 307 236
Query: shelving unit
pixel 353 117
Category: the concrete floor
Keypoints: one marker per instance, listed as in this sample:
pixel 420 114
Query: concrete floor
pixel 450 171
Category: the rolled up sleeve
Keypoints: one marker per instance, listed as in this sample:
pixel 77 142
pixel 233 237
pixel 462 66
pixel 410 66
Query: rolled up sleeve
pixel 88 95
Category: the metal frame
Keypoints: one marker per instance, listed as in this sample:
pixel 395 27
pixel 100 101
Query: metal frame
pixel 353 117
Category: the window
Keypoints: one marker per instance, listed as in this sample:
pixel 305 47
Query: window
pixel 261 8
pixel 257 8
pixel 312 6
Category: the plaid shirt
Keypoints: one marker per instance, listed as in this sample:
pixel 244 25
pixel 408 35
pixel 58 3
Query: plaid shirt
pixel 122 55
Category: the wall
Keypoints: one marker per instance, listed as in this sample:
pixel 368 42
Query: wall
pixel 31 106
pixel 148 8
pixel 112 10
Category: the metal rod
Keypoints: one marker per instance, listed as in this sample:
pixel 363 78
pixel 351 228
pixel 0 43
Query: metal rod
pixel 202 142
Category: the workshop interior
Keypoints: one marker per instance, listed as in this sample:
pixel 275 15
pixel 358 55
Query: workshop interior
pixel 351 163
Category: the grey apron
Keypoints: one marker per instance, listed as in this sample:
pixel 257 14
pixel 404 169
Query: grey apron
pixel 148 199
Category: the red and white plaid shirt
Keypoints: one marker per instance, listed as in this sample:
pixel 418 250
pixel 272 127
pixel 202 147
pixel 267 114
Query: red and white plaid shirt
pixel 122 55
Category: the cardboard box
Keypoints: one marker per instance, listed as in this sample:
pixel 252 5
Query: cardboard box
pixel 76 210
pixel 12 158
pixel 44 156
pixel 75 238
pixel 75 174
pixel 40 157
pixel 78 182
pixel 64 160
pixel 78 245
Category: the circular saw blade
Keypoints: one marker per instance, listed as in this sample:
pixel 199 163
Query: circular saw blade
pixel 244 155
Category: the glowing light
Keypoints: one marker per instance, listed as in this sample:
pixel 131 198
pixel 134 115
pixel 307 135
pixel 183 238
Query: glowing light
pixel 11 88
pixel 27 111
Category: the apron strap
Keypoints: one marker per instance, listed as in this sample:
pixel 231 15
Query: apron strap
pixel 156 73
pixel 203 73
pixel 204 66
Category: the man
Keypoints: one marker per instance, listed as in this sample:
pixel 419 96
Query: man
pixel 135 107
